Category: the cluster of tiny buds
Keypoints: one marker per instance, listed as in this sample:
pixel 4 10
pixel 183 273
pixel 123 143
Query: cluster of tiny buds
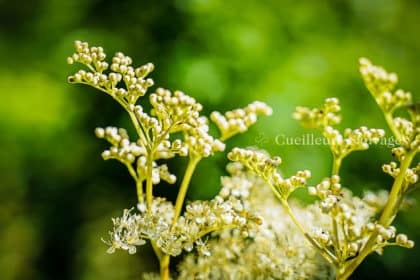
pixel 386 234
pixel 352 140
pixel 147 121
pixel 177 108
pixel 328 191
pixel 257 161
pixel 377 79
pixel 411 175
pixel 239 120
pixel 122 149
pixel 176 112
pixel 390 101
pixel 399 153
pixel 203 144
pixel 363 135
pixel 403 241
pixel 380 83
pixel 134 78
pixel 407 131
pixel 159 172
pixel 87 56
pixel 266 168
pixel 327 115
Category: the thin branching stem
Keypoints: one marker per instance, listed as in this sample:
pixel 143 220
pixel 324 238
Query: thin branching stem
pixel 192 164
pixel 324 252
pixel 386 218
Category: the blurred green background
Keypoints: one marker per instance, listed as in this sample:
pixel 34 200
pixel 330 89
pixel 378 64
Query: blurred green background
pixel 56 193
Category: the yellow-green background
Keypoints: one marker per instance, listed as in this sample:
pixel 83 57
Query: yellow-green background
pixel 56 193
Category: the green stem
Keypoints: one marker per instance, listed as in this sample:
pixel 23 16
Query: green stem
pixel 390 121
pixel 396 193
pixel 110 91
pixel 324 252
pixel 337 246
pixel 192 164
pixel 137 126
pixel 335 171
pixel 149 183
pixel 139 182
pixel 387 216
pixel 336 165
pixel 164 267
pixel 139 187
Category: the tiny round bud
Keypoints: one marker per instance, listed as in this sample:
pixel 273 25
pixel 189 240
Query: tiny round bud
pixel 312 191
pixel 99 132
pixel 409 244
pixel 401 239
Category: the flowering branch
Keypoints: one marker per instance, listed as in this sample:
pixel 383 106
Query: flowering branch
pixel 172 114
pixel 353 233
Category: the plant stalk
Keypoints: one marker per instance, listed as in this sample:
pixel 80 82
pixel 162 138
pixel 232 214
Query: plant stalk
pixel 325 253
pixel 192 164
pixel 149 183
pixel 387 216
pixel 164 267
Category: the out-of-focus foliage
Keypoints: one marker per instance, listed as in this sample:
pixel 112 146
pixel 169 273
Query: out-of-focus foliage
pixel 56 192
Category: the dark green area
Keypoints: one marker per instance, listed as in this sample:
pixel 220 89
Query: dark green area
pixel 56 193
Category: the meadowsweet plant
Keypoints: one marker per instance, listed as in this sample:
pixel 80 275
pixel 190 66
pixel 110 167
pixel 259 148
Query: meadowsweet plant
pixel 241 233
pixel 353 227
pixel 173 127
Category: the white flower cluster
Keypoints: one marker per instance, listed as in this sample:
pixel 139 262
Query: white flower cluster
pixel 347 222
pixel 273 250
pixel 239 120
pixel 126 234
pixel 266 168
pixel 276 249
pixel 200 219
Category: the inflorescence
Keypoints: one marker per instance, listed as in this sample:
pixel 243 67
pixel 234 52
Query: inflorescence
pixel 173 127
pixel 353 229
pixel 238 235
